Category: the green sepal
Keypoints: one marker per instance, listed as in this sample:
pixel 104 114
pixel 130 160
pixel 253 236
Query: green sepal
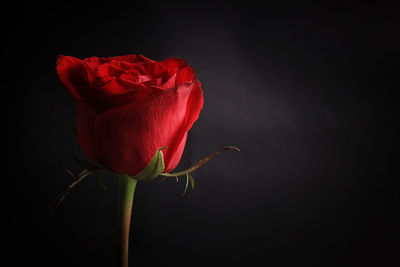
pixel 164 178
pixel 187 184
pixel 155 167
pixel 190 179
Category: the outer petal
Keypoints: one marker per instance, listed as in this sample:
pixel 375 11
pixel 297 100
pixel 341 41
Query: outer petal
pixel 194 105
pixel 176 156
pixel 71 73
pixel 128 136
pixel 193 108
pixel 174 64
pixel 85 120
pixel 185 75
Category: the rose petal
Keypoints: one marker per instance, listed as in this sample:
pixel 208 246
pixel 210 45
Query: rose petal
pixel 129 76
pixel 173 64
pixel 175 157
pixel 136 135
pixel 116 86
pixel 94 62
pixel 193 108
pixel 170 82
pixel 194 105
pixel 85 119
pixel 71 73
pixel 185 75
pixel 154 82
pixel 155 69
pixel 116 92
pixel 109 70
pixel 143 78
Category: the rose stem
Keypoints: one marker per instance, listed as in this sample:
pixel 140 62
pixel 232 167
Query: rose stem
pixel 127 187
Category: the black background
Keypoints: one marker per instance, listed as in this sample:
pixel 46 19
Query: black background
pixel 305 91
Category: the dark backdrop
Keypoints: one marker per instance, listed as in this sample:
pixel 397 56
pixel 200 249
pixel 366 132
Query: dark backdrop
pixel 305 91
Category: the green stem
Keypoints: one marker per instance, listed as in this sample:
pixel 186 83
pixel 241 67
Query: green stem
pixel 127 187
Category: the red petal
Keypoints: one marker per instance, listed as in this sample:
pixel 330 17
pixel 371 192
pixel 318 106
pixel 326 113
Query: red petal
pixel 194 106
pixel 127 137
pixel 170 82
pixel 116 86
pixel 85 119
pixel 109 70
pixel 93 63
pixel 71 73
pixel 173 64
pixel 176 156
pixel 109 95
pixel 185 75
pixel 155 69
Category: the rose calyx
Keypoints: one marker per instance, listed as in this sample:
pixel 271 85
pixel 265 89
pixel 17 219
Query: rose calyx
pixel 154 169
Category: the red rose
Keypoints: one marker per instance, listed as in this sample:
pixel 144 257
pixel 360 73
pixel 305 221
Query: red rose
pixel 127 107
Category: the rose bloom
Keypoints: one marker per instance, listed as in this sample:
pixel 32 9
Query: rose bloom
pixel 127 107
